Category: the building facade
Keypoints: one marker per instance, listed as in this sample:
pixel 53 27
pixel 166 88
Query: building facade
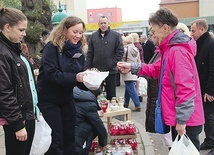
pixel 73 7
pixel 113 14
pixel 186 10
pixel 182 8
pixel 189 10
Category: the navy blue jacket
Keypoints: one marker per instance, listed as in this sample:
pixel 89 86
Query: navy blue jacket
pixel 57 75
pixel 88 123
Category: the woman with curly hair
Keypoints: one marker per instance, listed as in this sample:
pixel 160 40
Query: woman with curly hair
pixel 62 67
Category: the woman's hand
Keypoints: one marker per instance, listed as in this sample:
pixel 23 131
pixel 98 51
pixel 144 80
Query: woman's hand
pixel 80 76
pixel 181 129
pixel 208 97
pixel 21 135
pixel 124 67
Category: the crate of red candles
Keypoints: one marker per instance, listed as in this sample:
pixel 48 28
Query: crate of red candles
pixel 122 128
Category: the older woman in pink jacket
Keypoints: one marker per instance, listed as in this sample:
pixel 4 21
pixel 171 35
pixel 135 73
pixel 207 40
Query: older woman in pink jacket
pixel 180 96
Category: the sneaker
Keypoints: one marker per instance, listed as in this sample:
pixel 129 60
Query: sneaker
pixel 137 109
pixel 204 146
pixel 211 152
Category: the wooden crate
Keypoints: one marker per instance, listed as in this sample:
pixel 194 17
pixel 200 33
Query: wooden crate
pixel 122 137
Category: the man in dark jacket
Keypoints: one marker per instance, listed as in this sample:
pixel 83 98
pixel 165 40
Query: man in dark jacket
pixel 148 48
pixel 205 65
pixel 88 123
pixel 105 50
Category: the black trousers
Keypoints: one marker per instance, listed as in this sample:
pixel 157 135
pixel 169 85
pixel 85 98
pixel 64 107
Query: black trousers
pixel 14 146
pixel 111 83
pixel 192 132
pixel 209 124
pixel 61 119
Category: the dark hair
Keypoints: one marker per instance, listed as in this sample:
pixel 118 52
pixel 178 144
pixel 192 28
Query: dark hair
pixel 44 33
pixel 102 17
pixel 10 16
pixel 163 16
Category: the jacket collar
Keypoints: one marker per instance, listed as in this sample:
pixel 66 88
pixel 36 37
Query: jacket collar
pixel 202 38
pixel 16 47
pixel 106 32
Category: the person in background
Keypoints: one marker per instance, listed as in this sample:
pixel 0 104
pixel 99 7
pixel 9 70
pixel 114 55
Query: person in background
pixel 17 87
pixel 43 38
pixel 152 91
pixel 181 99
pixel 138 45
pixel 88 122
pixel 148 48
pixel 205 64
pixel 62 67
pixel 182 27
pixel 131 54
pixel 104 51
pixel 26 51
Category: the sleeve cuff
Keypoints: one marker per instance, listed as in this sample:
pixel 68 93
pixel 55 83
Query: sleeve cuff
pixel 135 68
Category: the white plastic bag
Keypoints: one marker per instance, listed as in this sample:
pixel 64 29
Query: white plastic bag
pixel 167 139
pixel 42 138
pixel 183 146
pixel 93 79
pixel 141 86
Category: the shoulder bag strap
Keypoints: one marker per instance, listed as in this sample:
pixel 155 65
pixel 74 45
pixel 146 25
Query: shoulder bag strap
pixel 127 53
pixel 160 85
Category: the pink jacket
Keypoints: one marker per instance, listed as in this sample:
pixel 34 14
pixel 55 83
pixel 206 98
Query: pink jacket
pixel 181 99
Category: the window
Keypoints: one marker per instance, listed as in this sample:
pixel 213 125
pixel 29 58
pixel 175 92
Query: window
pixel 100 14
pixel 109 14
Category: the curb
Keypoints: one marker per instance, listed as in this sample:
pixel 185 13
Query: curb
pixel 147 144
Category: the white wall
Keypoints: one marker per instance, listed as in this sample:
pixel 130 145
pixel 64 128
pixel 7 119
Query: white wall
pixel 74 7
pixel 206 8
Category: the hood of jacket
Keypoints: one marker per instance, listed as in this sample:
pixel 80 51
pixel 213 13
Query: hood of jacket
pixel 133 51
pixel 178 37
pixel 83 95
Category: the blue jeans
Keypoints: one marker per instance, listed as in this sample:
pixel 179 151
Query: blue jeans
pixel 131 92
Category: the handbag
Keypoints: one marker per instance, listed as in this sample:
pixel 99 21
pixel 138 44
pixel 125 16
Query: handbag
pixel 42 137
pixel 141 86
pixel 160 126
pixel 183 146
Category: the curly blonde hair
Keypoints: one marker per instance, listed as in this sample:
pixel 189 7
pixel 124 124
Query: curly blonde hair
pixel 58 35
